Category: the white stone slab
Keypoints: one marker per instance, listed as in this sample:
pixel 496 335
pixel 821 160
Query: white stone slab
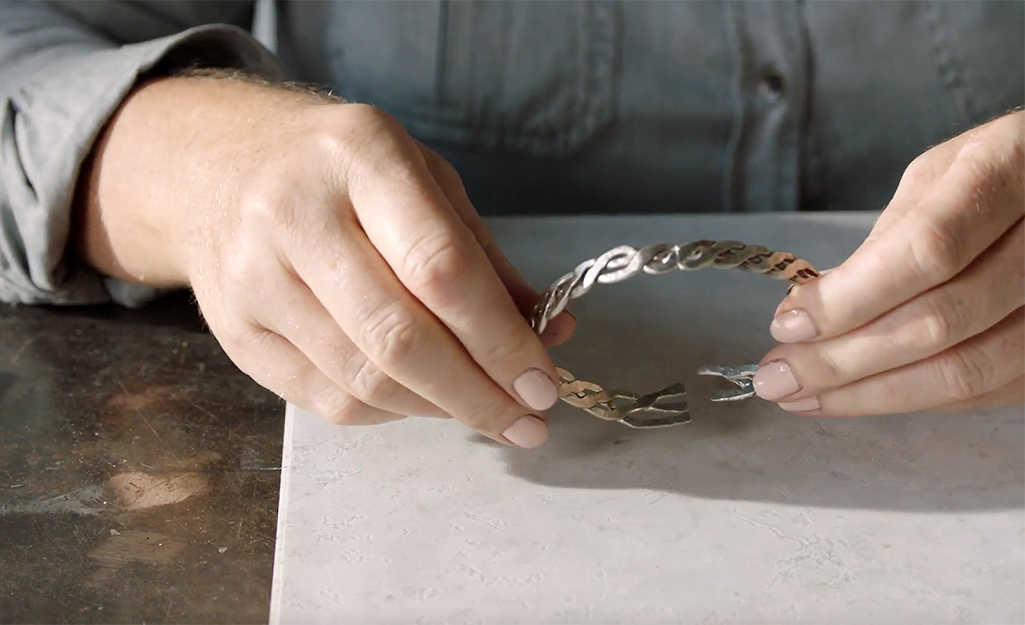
pixel 746 515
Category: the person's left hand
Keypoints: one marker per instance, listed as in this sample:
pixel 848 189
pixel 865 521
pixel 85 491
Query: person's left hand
pixel 928 312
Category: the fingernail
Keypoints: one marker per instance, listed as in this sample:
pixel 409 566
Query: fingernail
pixel 528 432
pixel 536 390
pixel 793 326
pixel 801 405
pixel 557 328
pixel 774 380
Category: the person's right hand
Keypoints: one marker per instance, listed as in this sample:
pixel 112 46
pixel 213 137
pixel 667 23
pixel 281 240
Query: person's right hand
pixel 341 265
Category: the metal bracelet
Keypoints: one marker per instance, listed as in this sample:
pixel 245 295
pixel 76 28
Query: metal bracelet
pixel 665 407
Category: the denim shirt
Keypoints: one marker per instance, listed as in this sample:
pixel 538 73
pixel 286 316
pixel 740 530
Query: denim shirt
pixel 543 107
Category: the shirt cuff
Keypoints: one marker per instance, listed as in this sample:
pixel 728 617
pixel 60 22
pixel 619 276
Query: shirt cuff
pixel 57 117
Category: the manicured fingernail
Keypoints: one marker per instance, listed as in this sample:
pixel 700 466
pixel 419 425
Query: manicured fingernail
pixel 528 432
pixel 801 405
pixel 793 326
pixel 774 380
pixel 536 390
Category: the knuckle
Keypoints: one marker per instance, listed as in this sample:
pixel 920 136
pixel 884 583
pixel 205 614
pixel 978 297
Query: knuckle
pixel 359 133
pixel 370 118
pixel 516 346
pixel 245 340
pixel 936 329
pixel 376 163
pixel 233 342
pixel 435 266
pixel 919 172
pixel 355 122
pixel 994 167
pixel 250 347
pixel 271 202
pixel 371 385
pixel 443 169
pixel 488 416
pixel 336 406
pixel 827 372
pixel 977 155
pixel 391 336
pixel 936 252
pixel 943 322
pixel 965 374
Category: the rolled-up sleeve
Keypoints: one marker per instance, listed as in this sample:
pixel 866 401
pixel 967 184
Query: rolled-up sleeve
pixel 64 70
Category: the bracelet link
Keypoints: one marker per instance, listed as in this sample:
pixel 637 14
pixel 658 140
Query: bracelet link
pixel 665 407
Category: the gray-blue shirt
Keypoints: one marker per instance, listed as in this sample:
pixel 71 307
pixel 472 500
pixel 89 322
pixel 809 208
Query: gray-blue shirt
pixel 543 107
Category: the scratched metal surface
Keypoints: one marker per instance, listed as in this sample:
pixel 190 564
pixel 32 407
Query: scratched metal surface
pixel 139 470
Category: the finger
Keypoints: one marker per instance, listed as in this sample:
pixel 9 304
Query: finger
pixel 918 178
pixel 436 258
pixel 332 255
pixel 310 328
pixel 559 329
pixel 977 200
pixel 406 342
pixel 280 367
pixel 523 295
pixel 452 186
pixel 974 368
pixel 1010 394
pixel 975 300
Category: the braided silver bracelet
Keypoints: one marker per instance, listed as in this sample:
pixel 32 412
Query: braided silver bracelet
pixel 664 407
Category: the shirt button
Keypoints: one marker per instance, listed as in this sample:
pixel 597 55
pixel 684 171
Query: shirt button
pixel 772 84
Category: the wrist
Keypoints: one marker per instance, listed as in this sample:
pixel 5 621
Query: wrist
pixel 168 165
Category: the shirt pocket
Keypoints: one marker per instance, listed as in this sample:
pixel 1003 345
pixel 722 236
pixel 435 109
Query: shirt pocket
pixel 527 77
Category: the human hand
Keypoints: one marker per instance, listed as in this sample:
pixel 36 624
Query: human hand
pixel 341 265
pixel 927 313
